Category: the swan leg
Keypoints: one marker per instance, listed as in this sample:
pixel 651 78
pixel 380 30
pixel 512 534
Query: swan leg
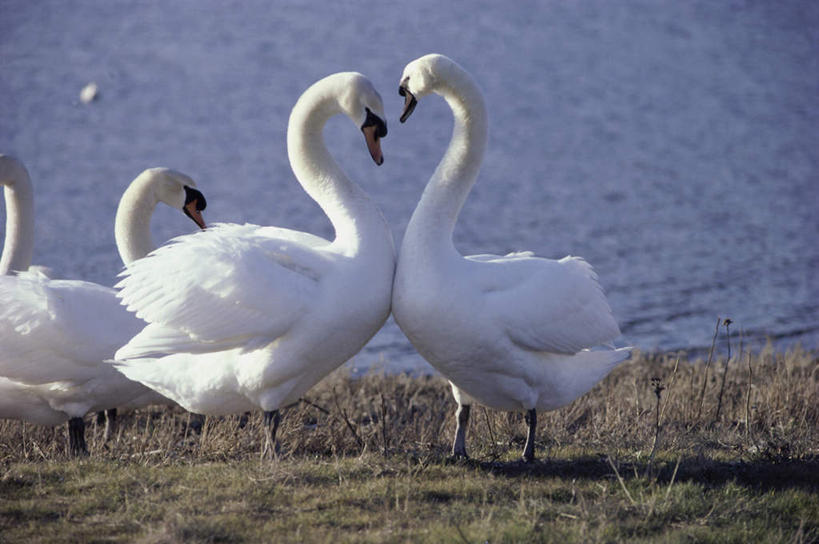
pixel 76 437
pixel 462 418
pixel 529 449
pixel 271 424
pixel 243 419
pixel 196 422
pixel 110 423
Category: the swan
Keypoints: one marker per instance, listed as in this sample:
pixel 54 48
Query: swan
pixel 55 334
pixel 244 317
pixel 18 244
pixel 510 332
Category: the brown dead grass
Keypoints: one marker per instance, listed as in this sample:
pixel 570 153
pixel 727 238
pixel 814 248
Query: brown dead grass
pixel 769 409
pixel 665 449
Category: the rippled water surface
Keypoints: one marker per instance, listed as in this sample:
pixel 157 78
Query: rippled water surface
pixel 672 144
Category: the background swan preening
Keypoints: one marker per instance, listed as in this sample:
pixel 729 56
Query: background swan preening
pixel 55 334
pixel 513 332
pixel 246 317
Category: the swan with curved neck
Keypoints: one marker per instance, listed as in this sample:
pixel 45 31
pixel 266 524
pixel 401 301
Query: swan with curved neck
pixel 244 317
pixel 55 334
pixel 511 332
pixel 132 225
pixel 18 245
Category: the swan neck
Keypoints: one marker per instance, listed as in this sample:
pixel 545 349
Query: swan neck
pixel 455 175
pixel 349 209
pixel 18 246
pixel 132 226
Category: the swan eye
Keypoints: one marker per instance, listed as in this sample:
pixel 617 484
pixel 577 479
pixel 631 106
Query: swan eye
pixel 192 195
pixel 374 120
pixel 403 88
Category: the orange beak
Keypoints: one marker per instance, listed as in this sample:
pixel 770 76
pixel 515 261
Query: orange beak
pixel 192 211
pixel 373 143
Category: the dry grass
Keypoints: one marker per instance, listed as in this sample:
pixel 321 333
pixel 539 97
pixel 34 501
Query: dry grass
pixel 663 449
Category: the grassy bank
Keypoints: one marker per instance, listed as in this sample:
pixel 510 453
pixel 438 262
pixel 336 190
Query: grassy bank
pixel 662 450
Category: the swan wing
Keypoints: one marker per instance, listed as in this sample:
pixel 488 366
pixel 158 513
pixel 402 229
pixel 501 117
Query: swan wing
pixel 221 288
pixel 490 258
pixel 58 330
pixel 547 305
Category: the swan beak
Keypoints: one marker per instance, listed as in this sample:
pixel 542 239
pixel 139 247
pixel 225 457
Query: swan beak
pixel 195 215
pixel 374 128
pixel 194 204
pixel 373 143
pixel 409 103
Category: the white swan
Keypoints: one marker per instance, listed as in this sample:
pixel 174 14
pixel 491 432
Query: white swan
pixel 510 332
pixel 18 245
pixel 55 334
pixel 243 316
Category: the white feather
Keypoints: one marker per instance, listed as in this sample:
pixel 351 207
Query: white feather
pixel 509 332
pixel 243 316
pixel 55 335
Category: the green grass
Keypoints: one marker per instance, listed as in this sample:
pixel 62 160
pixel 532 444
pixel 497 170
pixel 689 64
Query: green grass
pixel 366 460
pixel 374 499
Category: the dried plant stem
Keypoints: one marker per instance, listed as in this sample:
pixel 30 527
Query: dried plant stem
pixel 748 430
pixel 622 482
pixel 461 533
pixel 707 365
pixel 671 386
pixel 491 434
pixel 347 420
pixel 204 433
pixel 316 406
pixel 658 391
pixel 384 423
pixel 187 427
pixel 724 371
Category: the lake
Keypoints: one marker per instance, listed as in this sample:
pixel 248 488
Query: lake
pixel 674 145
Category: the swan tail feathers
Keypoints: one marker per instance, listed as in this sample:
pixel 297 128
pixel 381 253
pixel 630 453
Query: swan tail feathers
pixel 587 367
pixel 599 363
pixel 198 387
pixel 147 372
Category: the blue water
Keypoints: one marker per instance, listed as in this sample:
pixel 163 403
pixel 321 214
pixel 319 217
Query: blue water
pixel 675 145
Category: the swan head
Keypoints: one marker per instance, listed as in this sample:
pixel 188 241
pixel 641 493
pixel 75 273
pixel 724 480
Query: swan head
pixel 420 78
pixel 177 191
pixel 362 103
pixel 11 170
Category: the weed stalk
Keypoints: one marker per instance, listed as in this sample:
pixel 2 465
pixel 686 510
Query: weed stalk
pixel 748 431
pixel 658 391
pixel 727 323
pixel 707 365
